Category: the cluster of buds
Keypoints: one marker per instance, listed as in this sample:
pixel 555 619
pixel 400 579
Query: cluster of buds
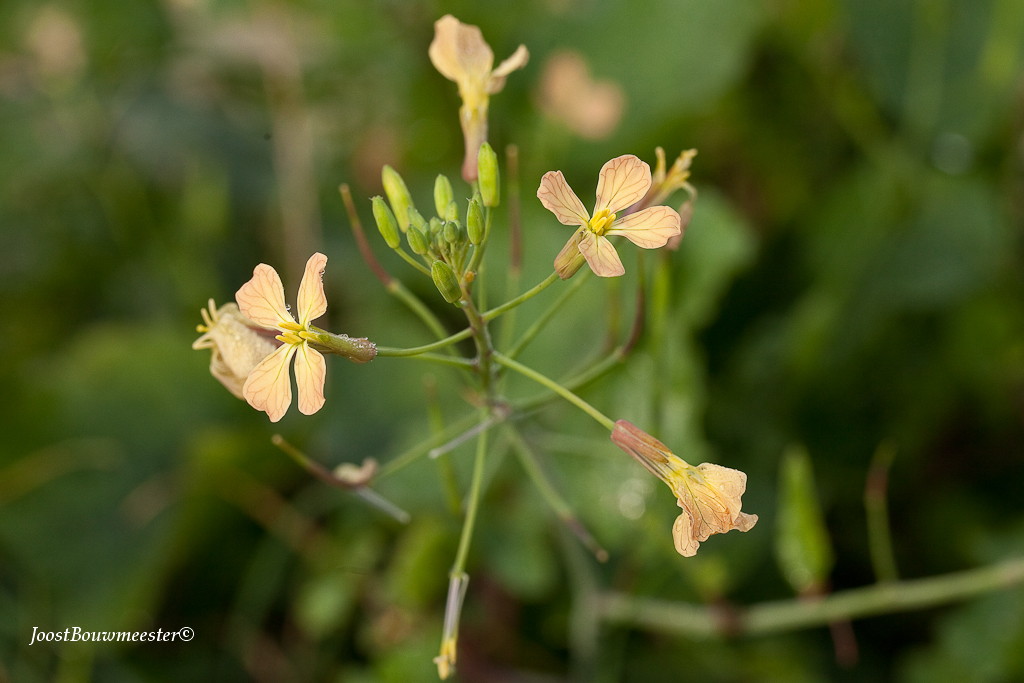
pixel 448 241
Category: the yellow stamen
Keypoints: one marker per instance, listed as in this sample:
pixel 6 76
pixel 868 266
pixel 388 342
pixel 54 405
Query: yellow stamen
pixel 601 222
pixel 289 325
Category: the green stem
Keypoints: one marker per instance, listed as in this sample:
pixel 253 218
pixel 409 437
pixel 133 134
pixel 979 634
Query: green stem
pixel 786 615
pixel 564 511
pixel 525 296
pixel 417 350
pixel 413 302
pixel 472 505
pixel 546 316
pixel 554 386
pixel 408 258
pixel 876 506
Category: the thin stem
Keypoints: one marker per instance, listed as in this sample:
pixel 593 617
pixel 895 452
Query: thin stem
pixel 522 298
pixel 554 386
pixel 360 489
pixel 876 506
pixel 433 346
pixel 408 258
pixel 413 302
pixel 472 505
pixel 564 511
pixel 542 320
pixel 787 615
pixel 419 450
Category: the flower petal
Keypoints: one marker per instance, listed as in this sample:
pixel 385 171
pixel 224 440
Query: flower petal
pixel 558 198
pixel 261 299
pixel 460 52
pixel 601 255
pixel 310 373
pixel 517 60
pixel 268 386
pixel 682 534
pixel 311 300
pixel 623 182
pixel 650 228
pixel 710 498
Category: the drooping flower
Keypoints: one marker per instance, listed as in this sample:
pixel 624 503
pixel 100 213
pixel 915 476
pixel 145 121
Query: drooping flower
pixel 237 344
pixel 261 299
pixel 622 183
pixel 461 54
pixel 708 494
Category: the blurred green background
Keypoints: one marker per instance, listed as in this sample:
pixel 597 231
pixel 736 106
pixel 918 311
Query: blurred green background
pixel 853 278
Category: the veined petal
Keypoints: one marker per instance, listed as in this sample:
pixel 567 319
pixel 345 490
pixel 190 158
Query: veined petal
pixel 682 534
pixel 623 182
pixel 558 198
pixel 311 300
pixel 460 52
pixel 310 373
pixel 710 498
pixel 650 228
pixel 261 299
pixel 268 387
pixel 601 255
pixel 517 60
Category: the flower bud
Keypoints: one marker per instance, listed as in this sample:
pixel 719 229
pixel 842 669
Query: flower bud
pixel 487 168
pixel 452 233
pixel 417 220
pixel 446 281
pixel 475 222
pixel 398 195
pixel 418 242
pixel 570 259
pixel 452 212
pixel 436 226
pixel 443 195
pixel 386 222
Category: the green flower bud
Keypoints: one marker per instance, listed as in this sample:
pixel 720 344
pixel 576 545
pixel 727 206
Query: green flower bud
pixel 487 169
pixel 436 226
pixel 398 195
pixel 386 222
pixel 475 221
pixel 443 195
pixel 446 281
pixel 416 219
pixel 418 242
pixel 452 233
pixel 452 213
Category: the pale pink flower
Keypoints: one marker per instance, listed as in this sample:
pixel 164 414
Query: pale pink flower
pixel 261 299
pixel 708 494
pixel 622 183
pixel 461 54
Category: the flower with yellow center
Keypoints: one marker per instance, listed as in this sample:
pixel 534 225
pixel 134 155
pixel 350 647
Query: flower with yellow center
pixel 461 54
pixel 708 494
pixel 237 344
pixel 622 183
pixel 261 299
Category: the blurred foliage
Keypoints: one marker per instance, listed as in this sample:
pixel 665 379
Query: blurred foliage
pixel 853 274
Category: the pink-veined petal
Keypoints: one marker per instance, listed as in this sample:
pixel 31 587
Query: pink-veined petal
pixel 261 299
pixel 268 387
pixel 517 60
pixel 623 182
pixel 310 373
pixel 651 228
pixel 311 300
pixel 460 52
pixel 558 198
pixel 601 256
